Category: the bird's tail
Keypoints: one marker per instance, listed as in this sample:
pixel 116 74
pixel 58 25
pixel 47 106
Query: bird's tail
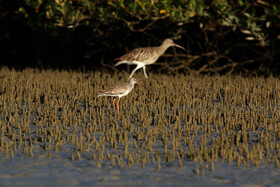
pixel 120 62
pixel 100 93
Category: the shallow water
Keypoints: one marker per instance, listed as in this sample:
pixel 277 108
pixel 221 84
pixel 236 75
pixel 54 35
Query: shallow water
pixel 56 172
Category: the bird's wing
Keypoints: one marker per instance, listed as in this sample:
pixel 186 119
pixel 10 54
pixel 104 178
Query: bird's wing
pixel 115 90
pixel 140 54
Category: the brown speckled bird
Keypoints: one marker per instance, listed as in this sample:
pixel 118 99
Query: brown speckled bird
pixel 119 90
pixel 145 56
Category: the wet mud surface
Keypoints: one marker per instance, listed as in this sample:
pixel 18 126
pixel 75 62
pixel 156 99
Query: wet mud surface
pixel 57 172
pixel 174 131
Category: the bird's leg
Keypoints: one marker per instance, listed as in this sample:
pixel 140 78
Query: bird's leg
pixel 118 106
pixel 144 69
pixel 137 67
pixel 114 104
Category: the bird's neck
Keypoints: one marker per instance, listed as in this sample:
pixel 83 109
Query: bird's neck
pixel 163 48
pixel 132 85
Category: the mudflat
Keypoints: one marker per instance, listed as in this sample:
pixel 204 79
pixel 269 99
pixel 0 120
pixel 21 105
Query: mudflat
pixel 177 130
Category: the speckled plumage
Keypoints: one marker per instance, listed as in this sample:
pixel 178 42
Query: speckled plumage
pixel 145 56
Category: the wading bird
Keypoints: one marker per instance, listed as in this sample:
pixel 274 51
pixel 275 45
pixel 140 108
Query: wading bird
pixel 145 56
pixel 119 91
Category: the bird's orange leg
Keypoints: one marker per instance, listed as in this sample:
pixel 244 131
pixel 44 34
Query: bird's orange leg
pixel 114 104
pixel 118 106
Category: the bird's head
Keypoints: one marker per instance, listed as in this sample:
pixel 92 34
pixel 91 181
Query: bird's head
pixel 133 81
pixel 169 42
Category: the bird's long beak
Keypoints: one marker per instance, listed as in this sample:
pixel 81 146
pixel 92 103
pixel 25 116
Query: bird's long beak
pixel 176 45
pixel 138 83
pixel 141 85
